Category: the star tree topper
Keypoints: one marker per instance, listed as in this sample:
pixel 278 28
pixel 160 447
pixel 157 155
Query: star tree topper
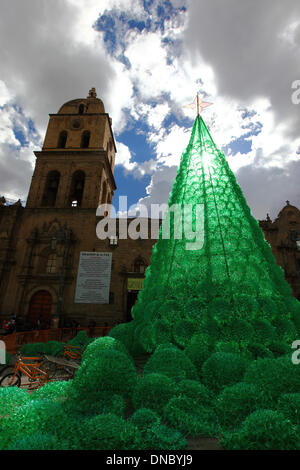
pixel 198 104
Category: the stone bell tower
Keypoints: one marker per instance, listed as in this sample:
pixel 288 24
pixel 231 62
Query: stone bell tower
pixel 75 167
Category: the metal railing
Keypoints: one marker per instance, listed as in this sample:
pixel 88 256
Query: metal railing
pixel 15 340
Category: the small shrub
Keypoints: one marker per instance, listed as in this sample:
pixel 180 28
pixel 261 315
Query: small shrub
pixel 274 377
pixel 289 405
pixel 53 348
pixel 162 331
pixel 199 349
pixel 86 406
pixel 279 348
pixel 144 339
pixel 238 330
pixel 246 306
pixel 35 416
pixel 124 333
pixel 264 331
pixel 259 350
pixel 285 329
pixel 161 437
pixel 11 398
pixel 145 418
pixel 220 310
pixel 97 346
pixel 108 432
pixel 235 403
pixel 37 441
pixel 183 330
pixel 263 430
pixel 227 347
pixel 195 391
pixel 191 418
pixel 110 371
pixel 223 369
pixel 172 362
pixel 32 349
pixel 81 339
pixel 52 391
pixel 153 391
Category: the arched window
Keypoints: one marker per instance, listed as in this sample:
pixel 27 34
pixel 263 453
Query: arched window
pixel 139 265
pixel 51 188
pixel 85 139
pixel 62 140
pixel 77 187
pixel 51 264
pixel 81 108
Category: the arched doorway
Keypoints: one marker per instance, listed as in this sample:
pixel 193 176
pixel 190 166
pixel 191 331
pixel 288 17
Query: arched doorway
pixel 40 308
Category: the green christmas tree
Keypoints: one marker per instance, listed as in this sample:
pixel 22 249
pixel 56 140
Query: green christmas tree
pixel 217 315
pixel 228 284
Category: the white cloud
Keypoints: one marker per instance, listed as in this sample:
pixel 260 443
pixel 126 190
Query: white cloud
pixel 169 144
pixel 5 94
pixel 157 114
pixel 56 55
pixel 124 157
pixel 138 170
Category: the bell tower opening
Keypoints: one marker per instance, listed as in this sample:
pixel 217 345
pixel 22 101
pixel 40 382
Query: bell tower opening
pixel 85 139
pixel 62 140
pixel 77 187
pixel 51 188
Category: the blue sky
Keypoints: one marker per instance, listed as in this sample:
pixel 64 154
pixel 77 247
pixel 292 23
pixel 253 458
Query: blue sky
pixel 147 60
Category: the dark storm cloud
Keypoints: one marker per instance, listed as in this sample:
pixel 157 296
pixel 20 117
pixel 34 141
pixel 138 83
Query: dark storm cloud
pixel 267 189
pixel 42 61
pixel 242 40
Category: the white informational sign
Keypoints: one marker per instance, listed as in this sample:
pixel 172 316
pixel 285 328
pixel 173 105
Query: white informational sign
pixel 93 278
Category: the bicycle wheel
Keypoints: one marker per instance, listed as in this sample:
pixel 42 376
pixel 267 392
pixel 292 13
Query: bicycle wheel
pixel 6 380
pixel 5 369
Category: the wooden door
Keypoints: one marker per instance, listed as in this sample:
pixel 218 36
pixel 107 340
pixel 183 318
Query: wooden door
pixel 40 307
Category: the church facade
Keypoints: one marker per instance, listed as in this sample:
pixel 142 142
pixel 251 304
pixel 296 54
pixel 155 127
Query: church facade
pixel 40 244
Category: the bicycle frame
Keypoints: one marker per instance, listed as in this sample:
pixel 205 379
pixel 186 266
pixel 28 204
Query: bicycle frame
pixel 73 352
pixel 31 370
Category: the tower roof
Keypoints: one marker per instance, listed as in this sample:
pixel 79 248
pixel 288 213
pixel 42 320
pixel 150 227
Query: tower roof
pixel 91 105
pixel 287 209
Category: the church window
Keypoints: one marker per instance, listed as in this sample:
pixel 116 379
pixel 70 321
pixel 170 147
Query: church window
pixel 85 139
pixel 81 109
pixel 51 264
pixel 51 188
pixel 139 266
pixel 62 140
